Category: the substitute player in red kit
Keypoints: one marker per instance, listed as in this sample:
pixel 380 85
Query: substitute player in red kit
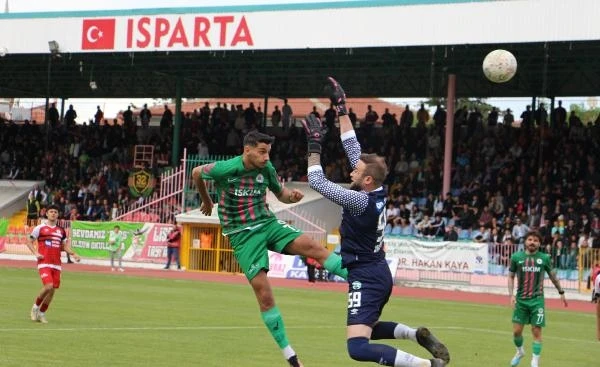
pixel 51 239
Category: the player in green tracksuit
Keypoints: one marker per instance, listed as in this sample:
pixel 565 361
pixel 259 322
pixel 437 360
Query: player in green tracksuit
pixel 242 184
pixel 530 266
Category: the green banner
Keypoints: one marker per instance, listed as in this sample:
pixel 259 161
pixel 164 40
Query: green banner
pixel 3 227
pixel 90 239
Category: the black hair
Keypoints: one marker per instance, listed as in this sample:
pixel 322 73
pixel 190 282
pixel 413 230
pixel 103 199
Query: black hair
pixel 53 206
pixel 534 234
pixel 253 138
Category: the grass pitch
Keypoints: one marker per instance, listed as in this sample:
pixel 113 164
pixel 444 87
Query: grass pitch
pixel 121 320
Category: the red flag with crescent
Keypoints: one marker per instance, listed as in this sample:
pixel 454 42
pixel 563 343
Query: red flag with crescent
pixel 98 34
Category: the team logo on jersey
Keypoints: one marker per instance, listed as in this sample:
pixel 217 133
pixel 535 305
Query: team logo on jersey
pixel 539 261
pixel 141 182
pixel 356 285
pixel 260 178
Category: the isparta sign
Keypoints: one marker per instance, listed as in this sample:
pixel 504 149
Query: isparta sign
pixel 162 32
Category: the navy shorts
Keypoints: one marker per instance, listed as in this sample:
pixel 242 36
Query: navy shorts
pixel 369 289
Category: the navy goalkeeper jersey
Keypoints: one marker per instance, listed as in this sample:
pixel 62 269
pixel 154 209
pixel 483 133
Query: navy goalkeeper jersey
pixel 363 213
pixel 362 234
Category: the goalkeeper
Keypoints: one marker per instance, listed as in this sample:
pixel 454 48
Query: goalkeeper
pixel 370 280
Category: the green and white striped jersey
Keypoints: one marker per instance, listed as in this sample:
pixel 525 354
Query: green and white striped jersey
pixel 242 193
pixel 530 271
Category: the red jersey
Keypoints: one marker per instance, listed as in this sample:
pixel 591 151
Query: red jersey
pixel 595 273
pixel 174 238
pixel 50 241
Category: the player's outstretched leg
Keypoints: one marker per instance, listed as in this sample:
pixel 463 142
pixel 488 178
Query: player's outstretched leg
pixel 426 339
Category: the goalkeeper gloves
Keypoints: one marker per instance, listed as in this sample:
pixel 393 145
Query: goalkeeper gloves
pixel 314 133
pixel 337 96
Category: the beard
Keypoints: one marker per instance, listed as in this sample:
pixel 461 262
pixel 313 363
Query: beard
pixel 531 248
pixel 356 186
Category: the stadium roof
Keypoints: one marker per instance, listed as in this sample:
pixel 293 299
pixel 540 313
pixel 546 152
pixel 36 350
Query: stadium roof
pixel 387 48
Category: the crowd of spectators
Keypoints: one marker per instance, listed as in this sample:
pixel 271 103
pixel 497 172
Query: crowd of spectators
pixel 506 178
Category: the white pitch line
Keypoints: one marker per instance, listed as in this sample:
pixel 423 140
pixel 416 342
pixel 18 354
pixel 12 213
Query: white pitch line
pixel 499 332
pixel 192 328
pixel 159 328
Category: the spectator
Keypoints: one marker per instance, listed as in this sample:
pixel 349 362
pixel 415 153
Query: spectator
pixel 70 116
pixel 352 117
pixel 33 210
pixel 173 245
pixel 276 117
pixel 439 118
pixel 422 115
pixel 166 121
pixel 99 116
pixel 286 114
pixel 128 118
pixel 145 116
pixel 116 239
pixel 519 230
pixel 53 116
pixel 451 234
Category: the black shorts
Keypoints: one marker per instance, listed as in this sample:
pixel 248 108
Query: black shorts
pixel 369 289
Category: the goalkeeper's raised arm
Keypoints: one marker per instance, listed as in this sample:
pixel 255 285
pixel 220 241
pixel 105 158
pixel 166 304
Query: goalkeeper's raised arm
pixel 351 200
pixel 337 96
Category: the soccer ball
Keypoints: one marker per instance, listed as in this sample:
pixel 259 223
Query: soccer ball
pixel 499 66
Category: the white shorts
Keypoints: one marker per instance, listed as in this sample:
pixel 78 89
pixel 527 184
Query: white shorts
pixel 597 284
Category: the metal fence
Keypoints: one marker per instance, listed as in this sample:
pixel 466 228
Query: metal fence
pixel 175 193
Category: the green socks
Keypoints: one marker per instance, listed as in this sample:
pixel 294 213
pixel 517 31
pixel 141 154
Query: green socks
pixel 333 264
pixel 518 340
pixel 274 322
pixel 537 348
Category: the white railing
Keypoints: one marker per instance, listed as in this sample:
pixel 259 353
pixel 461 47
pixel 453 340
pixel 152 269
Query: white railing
pixel 308 223
pixel 166 202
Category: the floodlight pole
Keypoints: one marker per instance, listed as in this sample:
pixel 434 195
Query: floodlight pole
pixel 542 126
pixel 177 121
pixel 450 101
pixel 46 125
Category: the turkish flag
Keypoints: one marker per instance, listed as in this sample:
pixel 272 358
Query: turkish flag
pixel 98 34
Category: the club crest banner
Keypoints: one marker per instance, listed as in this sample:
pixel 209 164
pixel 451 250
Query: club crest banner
pixel 141 182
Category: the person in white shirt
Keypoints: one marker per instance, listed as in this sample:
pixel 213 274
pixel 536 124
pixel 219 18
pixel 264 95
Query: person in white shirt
pixel 518 233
